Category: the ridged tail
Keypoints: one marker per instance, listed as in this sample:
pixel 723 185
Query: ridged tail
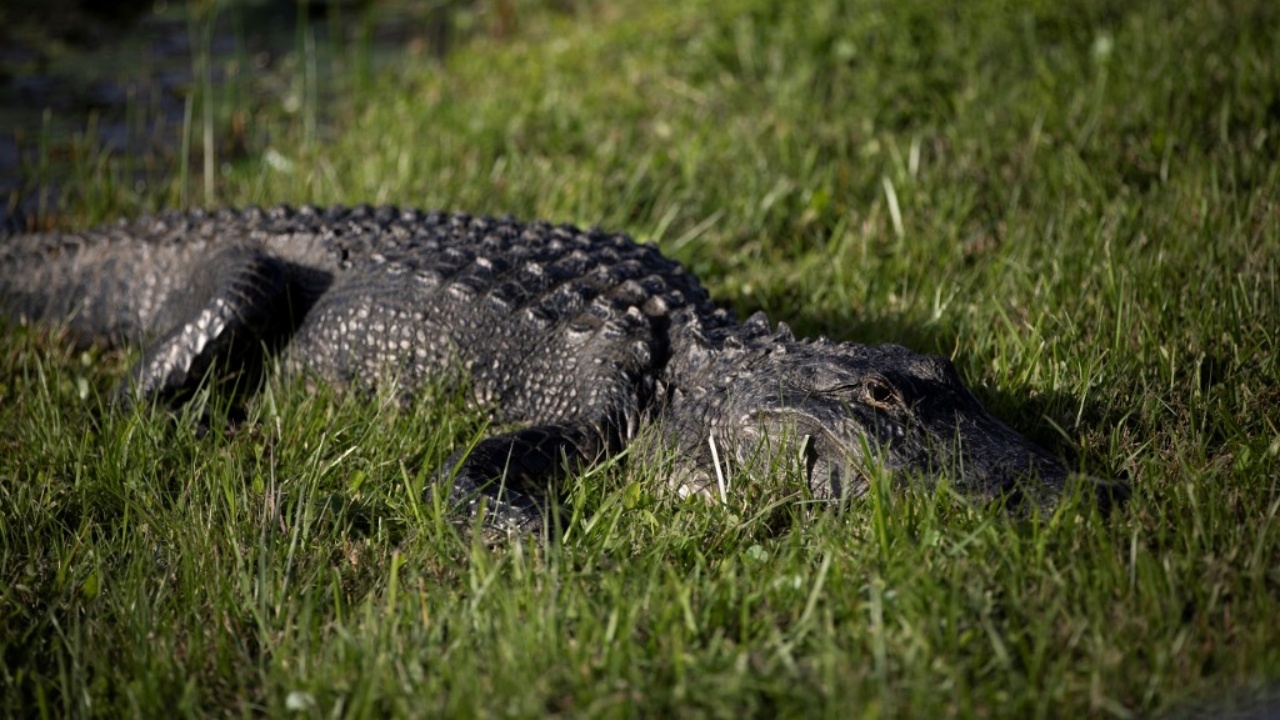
pixel 107 286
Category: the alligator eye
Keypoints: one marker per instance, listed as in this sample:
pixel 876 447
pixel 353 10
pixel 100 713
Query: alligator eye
pixel 880 393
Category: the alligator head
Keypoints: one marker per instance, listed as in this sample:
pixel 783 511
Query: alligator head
pixel 843 413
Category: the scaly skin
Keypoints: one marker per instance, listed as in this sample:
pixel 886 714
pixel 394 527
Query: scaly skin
pixel 579 339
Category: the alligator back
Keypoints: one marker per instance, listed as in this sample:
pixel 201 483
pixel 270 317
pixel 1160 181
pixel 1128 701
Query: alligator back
pixel 548 322
pixel 543 318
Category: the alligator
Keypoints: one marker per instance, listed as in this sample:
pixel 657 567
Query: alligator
pixel 577 343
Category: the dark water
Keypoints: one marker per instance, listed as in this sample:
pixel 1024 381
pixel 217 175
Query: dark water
pixel 76 84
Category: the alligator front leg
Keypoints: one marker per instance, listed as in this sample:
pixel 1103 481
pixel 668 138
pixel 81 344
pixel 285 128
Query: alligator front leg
pixel 240 298
pixel 513 476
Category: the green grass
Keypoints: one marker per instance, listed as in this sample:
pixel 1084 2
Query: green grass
pixel 1077 201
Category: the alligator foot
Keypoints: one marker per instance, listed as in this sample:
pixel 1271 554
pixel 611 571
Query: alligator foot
pixel 511 478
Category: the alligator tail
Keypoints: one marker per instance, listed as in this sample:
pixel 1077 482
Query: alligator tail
pixel 107 287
